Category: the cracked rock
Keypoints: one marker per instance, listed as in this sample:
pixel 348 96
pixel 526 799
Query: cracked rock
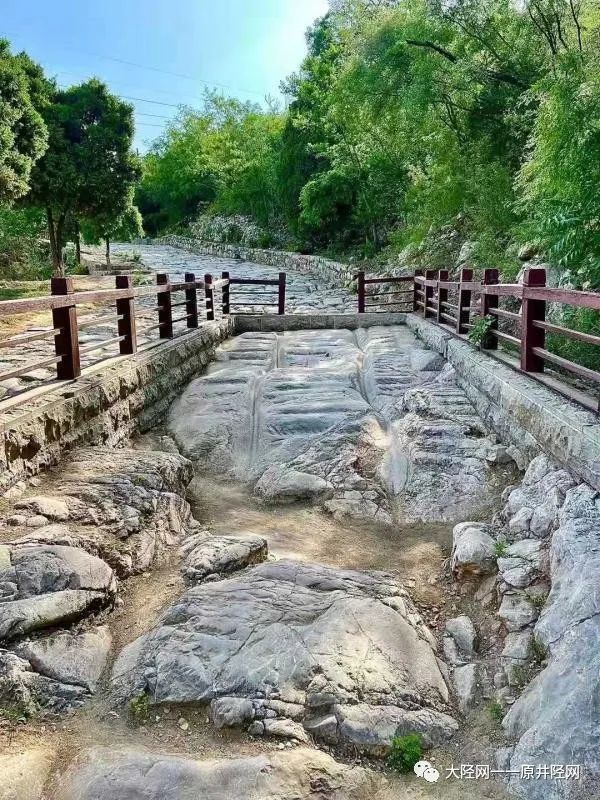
pixel 301 773
pixel 206 555
pixel 314 636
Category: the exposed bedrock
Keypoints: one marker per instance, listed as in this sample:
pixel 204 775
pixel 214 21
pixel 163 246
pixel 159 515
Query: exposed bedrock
pixel 367 423
pixel 125 506
pixel 339 654
pixel 546 545
pixel 302 774
pixel 108 512
pixel 557 718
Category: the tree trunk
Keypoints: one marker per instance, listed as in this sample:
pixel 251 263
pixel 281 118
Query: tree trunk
pixel 58 266
pixel 107 252
pixel 77 243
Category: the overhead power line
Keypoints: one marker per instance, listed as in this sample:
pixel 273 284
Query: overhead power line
pixel 151 68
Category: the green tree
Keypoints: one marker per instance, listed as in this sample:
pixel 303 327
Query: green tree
pixel 124 227
pixel 89 168
pixel 23 134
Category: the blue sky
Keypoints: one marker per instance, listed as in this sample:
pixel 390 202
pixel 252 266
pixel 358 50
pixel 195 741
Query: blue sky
pixel 247 46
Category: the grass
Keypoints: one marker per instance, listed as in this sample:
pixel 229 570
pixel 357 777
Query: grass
pixel 17 712
pixel 500 548
pixel 406 751
pixel 496 711
pixel 15 290
pixel 538 601
pixel 539 651
pixel 139 708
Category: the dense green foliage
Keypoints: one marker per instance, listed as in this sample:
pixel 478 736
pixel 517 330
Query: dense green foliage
pixel 412 126
pixel 89 169
pixel 224 157
pixel 23 135
pixel 405 752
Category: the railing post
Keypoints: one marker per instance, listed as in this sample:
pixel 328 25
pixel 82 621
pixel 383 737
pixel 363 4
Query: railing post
pixel 429 276
pixel 416 289
pixel 165 311
pixel 532 311
pixel 209 293
pixel 225 295
pixel 191 301
pixel 67 341
pixel 360 279
pixel 489 302
pixel 442 294
pixel 281 294
pixel 463 313
pixel 126 310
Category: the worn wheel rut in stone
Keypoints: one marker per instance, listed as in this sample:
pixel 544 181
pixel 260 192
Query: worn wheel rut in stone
pixel 273 639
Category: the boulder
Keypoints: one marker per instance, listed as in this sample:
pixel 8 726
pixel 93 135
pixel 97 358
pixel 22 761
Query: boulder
pixel 473 552
pixel 45 585
pixel 309 635
pixel 73 658
pixel 463 632
pixel 465 680
pixel 231 712
pixel 517 611
pixel 206 555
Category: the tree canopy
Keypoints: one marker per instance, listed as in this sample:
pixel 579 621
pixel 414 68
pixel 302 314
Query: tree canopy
pixel 23 136
pixel 405 119
pixel 89 168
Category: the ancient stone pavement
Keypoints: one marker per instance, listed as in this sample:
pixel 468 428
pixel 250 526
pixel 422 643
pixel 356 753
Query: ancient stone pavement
pixel 161 653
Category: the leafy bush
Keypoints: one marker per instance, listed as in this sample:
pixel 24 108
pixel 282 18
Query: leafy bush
pixel 480 331
pixel 235 229
pixel 139 708
pixel 23 255
pixel 406 751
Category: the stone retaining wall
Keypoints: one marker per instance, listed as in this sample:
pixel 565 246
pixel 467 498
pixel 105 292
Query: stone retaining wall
pixel 523 413
pixel 334 272
pixel 106 405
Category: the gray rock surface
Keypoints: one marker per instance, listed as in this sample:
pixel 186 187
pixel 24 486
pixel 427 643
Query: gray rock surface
pixel 462 630
pixel 364 422
pixel 308 635
pixel 302 774
pixel 125 506
pixel 72 658
pixel 472 550
pixel 556 719
pixel 464 679
pixel 231 712
pixel 27 691
pixel 206 555
pixel 45 585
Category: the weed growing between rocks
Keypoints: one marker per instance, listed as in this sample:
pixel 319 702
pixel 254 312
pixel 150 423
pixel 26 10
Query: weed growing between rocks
pixel 496 712
pixel 406 751
pixel 139 708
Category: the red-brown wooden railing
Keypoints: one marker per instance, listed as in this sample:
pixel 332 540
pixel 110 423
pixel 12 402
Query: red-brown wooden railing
pixel 125 314
pixel 432 293
pixel 382 300
pixel 251 298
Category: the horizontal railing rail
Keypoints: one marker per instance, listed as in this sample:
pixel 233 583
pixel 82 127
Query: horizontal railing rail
pixel 383 301
pixel 527 327
pixel 274 297
pixel 126 312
